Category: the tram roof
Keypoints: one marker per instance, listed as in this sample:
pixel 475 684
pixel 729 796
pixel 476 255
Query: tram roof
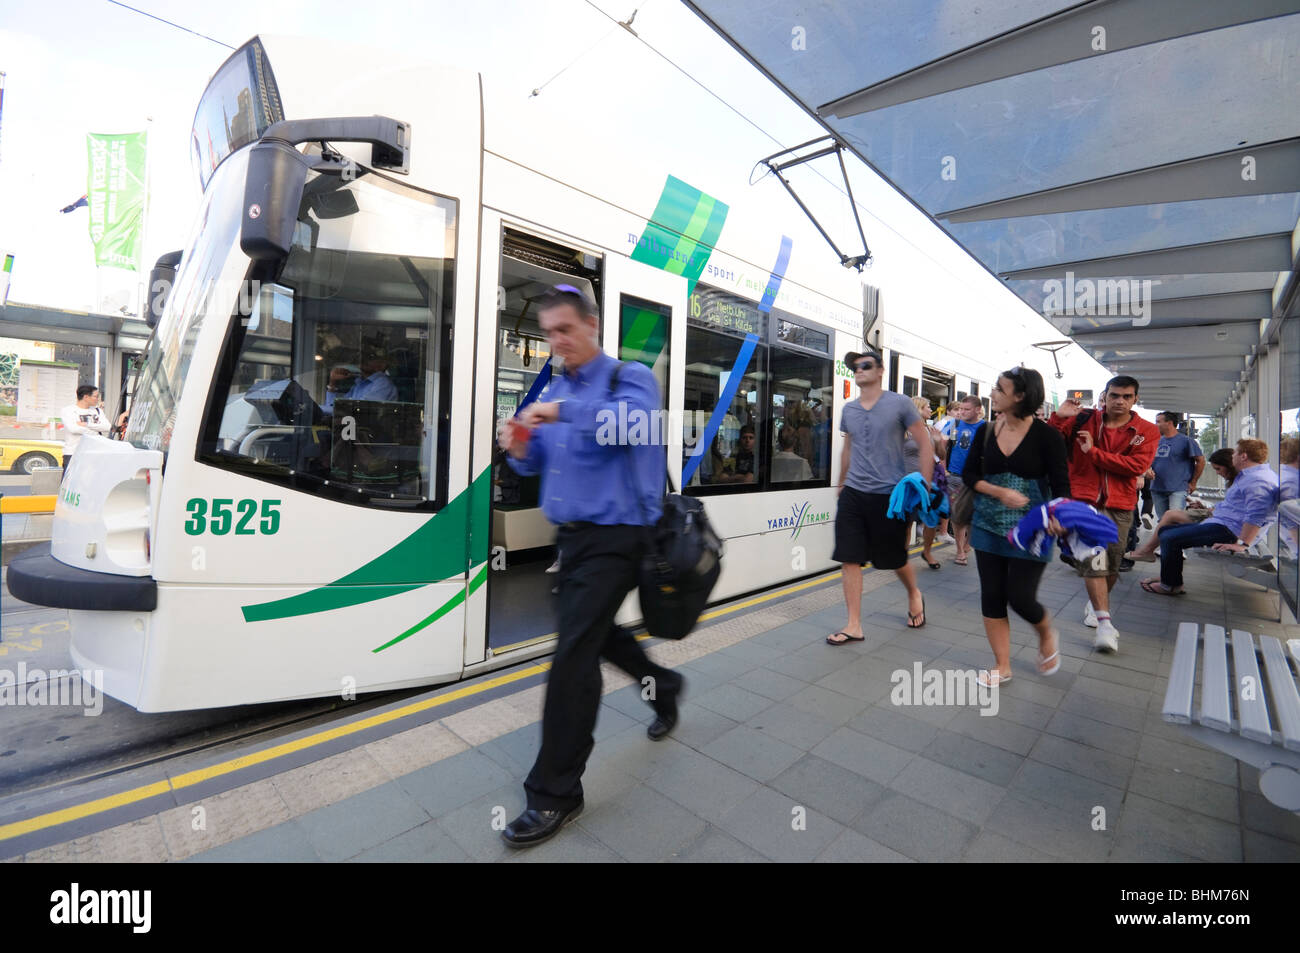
pixel 1111 139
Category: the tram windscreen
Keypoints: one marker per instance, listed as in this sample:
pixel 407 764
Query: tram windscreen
pixel 337 381
pixel 241 102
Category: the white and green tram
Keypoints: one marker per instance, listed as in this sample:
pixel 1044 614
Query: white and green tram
pixel 310 498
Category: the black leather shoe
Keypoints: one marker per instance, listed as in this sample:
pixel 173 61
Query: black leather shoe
pixel 666 712
pixel 534 827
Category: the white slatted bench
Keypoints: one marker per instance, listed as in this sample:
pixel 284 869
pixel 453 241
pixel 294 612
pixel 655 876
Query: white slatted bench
pixel 1251 715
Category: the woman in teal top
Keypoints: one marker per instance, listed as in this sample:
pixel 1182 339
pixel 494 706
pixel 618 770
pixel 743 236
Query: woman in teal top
pixel 1017 464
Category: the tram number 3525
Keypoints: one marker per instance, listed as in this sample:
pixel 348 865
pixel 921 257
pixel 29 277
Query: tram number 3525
pixel 220 516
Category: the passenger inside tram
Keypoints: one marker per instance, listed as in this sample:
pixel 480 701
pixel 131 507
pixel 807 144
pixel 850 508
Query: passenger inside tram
pixel 788 466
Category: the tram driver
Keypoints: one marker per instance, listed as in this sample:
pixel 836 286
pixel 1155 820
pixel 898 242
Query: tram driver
pixel 370 383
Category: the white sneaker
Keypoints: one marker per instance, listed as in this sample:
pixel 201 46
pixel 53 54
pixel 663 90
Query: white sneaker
pixel 945 538
pixel 1089 618
pixel 554 567
pixel 1107 639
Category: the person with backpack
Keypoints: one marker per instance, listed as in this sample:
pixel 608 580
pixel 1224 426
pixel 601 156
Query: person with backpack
pixel 586 490
pixel 1108 449
pixel 961 436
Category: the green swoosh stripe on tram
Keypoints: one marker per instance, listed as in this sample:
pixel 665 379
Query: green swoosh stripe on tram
pixel 437 551
pixel 441 611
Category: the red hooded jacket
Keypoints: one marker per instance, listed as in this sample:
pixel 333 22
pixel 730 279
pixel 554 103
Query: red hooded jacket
pixel 1102 477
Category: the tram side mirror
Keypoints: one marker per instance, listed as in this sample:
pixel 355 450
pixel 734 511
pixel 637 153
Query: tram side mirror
pixel 277 173
pixel 161 278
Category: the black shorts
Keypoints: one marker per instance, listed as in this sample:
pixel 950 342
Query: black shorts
pixel 864 534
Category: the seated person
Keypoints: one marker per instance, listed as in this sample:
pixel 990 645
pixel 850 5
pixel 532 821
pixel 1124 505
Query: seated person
pixel 741 468
pixel 710 468
pixel 372 383
pixel 1248 507
pixel 1289 491
pixel 1221 461
pixel 788 466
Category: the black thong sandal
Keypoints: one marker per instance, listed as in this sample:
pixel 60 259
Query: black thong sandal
pixel 830 639
pixel 932 565
pixel 911 619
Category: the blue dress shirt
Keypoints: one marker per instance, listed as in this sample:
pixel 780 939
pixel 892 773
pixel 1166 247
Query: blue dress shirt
pixel 378 386
pixel 603 446
pixel 1252 499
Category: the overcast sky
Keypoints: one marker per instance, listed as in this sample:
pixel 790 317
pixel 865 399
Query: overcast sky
pixel 79 66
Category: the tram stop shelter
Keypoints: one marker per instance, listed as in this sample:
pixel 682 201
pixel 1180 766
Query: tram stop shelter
pixel 1129 168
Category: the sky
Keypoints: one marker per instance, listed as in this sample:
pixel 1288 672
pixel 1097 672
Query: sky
pixel 79 66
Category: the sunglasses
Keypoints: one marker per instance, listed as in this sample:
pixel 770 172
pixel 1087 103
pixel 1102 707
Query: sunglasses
pixel 864 366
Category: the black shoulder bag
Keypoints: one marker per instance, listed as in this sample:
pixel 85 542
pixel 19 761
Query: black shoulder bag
pixel 682 558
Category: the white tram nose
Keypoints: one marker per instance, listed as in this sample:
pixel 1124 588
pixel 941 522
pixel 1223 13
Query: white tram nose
pixel 100 565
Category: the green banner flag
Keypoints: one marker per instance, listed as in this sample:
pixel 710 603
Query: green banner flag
pixel 115 191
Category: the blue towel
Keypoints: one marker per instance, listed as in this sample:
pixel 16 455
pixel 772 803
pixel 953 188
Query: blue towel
pixel 1090 532
pixel 914 499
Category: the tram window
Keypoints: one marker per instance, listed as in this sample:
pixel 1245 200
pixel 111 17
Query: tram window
pixel 725 415
pixel 911 386
pixel 338 382
pixel 644 332
pixel 802 388
pixel 530 267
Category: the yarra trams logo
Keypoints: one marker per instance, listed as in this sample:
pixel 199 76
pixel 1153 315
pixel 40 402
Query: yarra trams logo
pixel 801 516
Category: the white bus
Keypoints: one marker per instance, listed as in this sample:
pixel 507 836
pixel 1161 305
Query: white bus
pixel 310 499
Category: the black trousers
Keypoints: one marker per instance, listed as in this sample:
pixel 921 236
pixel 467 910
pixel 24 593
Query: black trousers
pixel 598 567
pixel 1005 580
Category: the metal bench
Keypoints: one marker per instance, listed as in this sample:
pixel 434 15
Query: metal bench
pixel 1251 715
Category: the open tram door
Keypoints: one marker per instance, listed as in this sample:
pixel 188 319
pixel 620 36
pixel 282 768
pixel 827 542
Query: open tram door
pixel 636 306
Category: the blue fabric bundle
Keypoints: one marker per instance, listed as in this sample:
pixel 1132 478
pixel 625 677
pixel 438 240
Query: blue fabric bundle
pixel 1090 532
pixel 914 499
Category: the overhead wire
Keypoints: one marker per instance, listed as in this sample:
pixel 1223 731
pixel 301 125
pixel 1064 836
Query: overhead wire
pixel 146 13
pixel 773 138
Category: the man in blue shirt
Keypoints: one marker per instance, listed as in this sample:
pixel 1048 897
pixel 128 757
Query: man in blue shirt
pixel 603 468
pixel 966 422
pixel 1177 467
pixel 1248 507
pixel 373 383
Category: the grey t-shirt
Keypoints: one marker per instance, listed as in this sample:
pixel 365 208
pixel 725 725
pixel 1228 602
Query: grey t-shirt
pixel 876 438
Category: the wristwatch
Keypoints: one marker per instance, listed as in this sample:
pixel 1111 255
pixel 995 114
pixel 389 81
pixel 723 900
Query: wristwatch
pixel 1242 542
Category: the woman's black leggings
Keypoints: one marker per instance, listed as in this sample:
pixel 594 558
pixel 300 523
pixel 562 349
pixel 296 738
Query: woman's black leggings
pixel 1006 580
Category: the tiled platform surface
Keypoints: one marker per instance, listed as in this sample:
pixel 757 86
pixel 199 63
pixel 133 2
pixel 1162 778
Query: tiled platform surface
pixel 791 750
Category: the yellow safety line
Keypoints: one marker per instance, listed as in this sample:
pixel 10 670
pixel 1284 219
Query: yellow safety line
pixel 28 504
pixel 191 778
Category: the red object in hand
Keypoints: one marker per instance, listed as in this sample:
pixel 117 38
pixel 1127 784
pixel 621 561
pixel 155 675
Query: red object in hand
pixel 518 432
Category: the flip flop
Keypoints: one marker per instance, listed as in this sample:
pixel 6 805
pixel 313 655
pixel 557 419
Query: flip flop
pixel 1140 557
pixel 912 618
pixel 1159 588
pixel 830 639
pixel 932 565
pixel 991 678
pixel 959 560
pixel 1053 660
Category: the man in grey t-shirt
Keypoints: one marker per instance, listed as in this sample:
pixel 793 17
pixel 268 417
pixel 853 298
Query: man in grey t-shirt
pixel 871 465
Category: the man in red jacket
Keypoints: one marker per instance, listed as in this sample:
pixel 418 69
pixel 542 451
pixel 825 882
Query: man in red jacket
pixel 1109 449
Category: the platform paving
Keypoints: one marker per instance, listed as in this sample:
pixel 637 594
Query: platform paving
pixel 792 750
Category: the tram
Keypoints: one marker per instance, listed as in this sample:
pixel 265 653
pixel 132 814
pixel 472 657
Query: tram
pixel 309 499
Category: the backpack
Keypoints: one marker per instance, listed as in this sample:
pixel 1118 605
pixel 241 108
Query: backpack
pixel 682 559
